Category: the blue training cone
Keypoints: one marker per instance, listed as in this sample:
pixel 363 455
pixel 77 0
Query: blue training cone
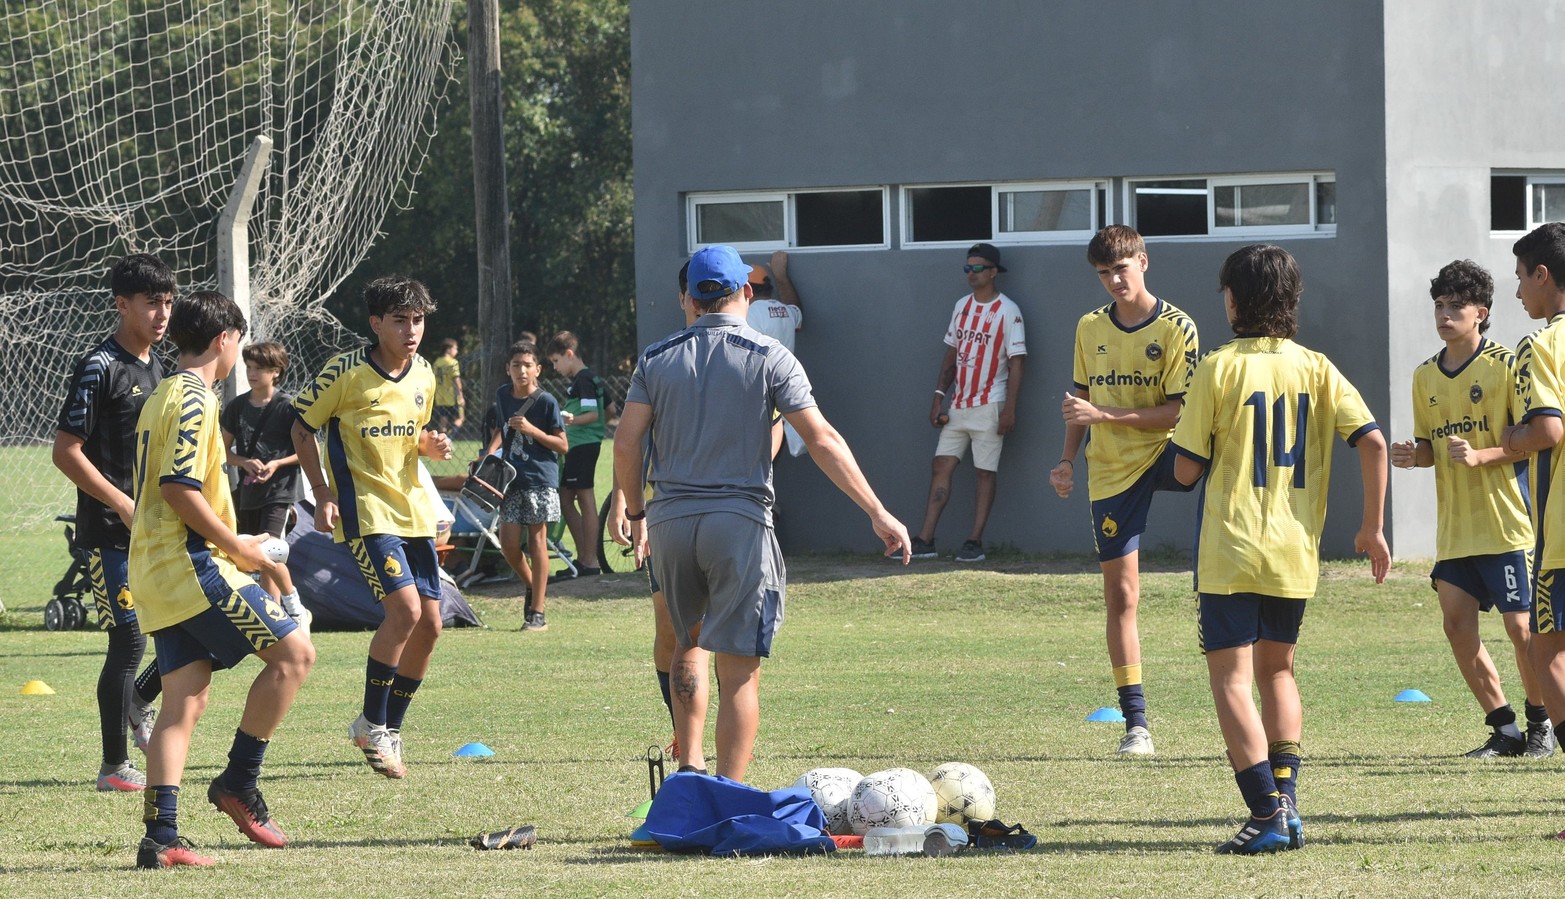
pixel 1413 696
pixel 1107 714
pixel 473 750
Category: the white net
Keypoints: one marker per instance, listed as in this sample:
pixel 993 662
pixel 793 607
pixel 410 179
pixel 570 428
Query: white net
pixel 123 126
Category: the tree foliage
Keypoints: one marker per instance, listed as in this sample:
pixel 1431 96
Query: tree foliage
pixel 566 84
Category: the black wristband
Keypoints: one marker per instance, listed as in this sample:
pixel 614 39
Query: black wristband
pixel 1071 462
pixel 636 517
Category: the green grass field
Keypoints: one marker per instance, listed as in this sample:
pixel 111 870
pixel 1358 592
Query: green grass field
pixel 996 665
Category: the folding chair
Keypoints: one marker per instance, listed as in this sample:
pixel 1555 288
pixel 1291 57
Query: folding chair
pixel 479 503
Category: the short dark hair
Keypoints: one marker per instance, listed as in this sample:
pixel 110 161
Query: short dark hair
pixel 561 342
pixel 1544 245
pixel 684 277
pixel 1114 243
pixel 266 354
pixel 1265 283
pixel 1468 283
pixel 141 273
pixel 198 318
pixel 522 348
pixel 448 344
pixel 395 293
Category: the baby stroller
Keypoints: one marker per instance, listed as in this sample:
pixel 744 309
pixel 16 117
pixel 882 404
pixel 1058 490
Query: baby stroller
pixel 66 611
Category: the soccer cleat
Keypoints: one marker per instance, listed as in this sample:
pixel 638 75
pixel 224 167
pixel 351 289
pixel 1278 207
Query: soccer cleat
pixel 304 619
pixel 378 748
pixel 971 551
pixel 1295 823
pixel 923 549
pixel 1259 835
pixel 1137 741
pixel 123 778
pixel 248 810
pixel 179 853
pixel 522 836
pixel 1540 740
pixel 140 719
pixel 1499 745
pixel 396 746
pixel 535 622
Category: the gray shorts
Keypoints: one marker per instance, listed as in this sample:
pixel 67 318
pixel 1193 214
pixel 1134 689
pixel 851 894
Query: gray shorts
pixel 530 505
pixel 724 572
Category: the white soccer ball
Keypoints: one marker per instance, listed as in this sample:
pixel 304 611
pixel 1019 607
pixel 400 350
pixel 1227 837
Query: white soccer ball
pixel 832 789
pixel 275 548
pixel 896 797
pixel 962 793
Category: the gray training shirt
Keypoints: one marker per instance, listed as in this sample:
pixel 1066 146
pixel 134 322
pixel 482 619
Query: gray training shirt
pixel 713 389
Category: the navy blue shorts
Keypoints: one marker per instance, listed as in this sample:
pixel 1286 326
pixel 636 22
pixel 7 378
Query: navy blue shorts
pixel 1119 521
pixel 108 570
pixel 1240 619
pixel 389 562
pixel 246 621
pixel 1499 581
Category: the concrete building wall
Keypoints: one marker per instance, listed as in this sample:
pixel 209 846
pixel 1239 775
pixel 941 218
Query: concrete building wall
pixel 1470 87
pixel 740 94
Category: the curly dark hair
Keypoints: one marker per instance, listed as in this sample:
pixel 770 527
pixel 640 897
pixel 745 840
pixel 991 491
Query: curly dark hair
pixel 1466 282
pixel 395 293
pixel 1265 283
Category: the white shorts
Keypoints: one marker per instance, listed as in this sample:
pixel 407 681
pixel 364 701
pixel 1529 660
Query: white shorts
pixel 975 425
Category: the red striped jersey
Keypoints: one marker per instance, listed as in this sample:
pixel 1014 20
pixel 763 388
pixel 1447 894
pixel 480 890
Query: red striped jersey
pixel 986 335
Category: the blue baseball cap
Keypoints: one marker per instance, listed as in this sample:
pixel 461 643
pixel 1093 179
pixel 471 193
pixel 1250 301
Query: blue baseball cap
pixel 716 271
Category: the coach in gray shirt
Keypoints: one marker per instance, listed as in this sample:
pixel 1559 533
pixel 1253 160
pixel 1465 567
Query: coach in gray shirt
pixel 708 396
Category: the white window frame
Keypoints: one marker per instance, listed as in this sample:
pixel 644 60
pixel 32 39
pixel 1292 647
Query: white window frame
pixel 1534 178
pixel 789 240
pixel 1009 238
pixel 1214 231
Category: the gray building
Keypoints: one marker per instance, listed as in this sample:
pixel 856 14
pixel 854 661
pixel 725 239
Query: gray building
pixel 874 141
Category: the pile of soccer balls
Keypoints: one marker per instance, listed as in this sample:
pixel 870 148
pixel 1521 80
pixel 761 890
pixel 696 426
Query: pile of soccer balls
pixel 953 793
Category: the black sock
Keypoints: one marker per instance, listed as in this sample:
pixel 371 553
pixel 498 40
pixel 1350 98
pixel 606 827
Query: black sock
pixel 244 762
pixel 378 677
pixel 116 685
pixel 1133 703
pixel 149 683
pixel 1536 714
pixel 1258 789
pixel 668 694
pixel 1500 717
pixel 402 690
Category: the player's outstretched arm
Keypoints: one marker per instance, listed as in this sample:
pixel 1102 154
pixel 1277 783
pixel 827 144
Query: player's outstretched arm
pixel 835 459
pixel 1370 539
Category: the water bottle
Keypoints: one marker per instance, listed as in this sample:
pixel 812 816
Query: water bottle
pixel 895 840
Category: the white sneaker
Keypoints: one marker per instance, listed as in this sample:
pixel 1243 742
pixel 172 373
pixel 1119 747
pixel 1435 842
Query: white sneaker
pixel 1137 741
pixel 375 741
pixel 140 718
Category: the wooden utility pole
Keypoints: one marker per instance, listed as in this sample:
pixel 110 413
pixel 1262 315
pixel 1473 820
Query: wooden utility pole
pixel 490 208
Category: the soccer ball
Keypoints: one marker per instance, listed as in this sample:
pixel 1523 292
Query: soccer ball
pixel 896 797
pixel 832 789
pixel 962 792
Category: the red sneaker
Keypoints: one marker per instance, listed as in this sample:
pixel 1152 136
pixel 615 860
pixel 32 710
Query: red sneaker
pixel 179 853
pixel 249 812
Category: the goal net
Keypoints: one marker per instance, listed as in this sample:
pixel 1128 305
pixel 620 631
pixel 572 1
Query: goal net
pixel 123 126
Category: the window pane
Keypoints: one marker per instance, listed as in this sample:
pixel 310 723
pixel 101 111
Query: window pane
pixel 740 222
pixel 1170 207
pixel 1507 203
pixel 839 218
pixel 1046 210
pixel 1274 204
pixel 950 213
pixel 1326 203
pixel 1225 206
pixel 1548 203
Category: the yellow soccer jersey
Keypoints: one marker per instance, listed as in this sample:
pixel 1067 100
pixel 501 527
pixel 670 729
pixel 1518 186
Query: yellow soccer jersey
pixel 447 370
pixel 1261 413
pixel 1540 364
pixel 372 423
pixel 1482 510
pixel 1134 368
pixel 173 570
